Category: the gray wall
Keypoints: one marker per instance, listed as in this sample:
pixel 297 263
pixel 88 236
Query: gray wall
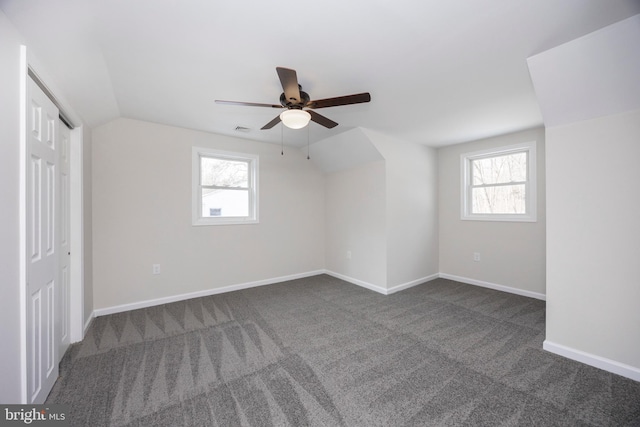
pixel 512 254
pixel 590 99
pixel 142 216
pixel 356 222
pixel 593 237
pixel 411 208
pixel 382 209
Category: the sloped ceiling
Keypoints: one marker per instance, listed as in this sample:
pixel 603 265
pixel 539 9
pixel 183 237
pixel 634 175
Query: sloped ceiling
pixel 344 151
pixel 595 75
pixel 439 72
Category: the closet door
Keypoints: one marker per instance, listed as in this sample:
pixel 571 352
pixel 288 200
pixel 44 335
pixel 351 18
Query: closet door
pixel 43 231
pixel 64 136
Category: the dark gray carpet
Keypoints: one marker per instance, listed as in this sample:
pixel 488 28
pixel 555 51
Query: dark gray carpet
pixel 322 352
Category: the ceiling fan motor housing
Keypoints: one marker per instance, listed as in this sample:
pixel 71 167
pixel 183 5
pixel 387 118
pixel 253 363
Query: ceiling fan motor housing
pixel 295 103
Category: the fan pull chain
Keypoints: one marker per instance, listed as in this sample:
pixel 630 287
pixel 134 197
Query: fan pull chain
pixel 282 139
pixel 308 157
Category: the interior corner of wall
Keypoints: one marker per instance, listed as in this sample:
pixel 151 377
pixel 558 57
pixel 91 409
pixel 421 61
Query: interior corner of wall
pixel 345 151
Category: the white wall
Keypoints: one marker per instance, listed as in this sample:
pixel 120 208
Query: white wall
pixel 593 237
pixel 512 253
pixel 355 212
pixel 142 216
pixel 411 205
pixel 589 96
pixel 10 357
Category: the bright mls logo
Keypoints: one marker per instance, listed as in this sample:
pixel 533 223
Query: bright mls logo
pixel 37 415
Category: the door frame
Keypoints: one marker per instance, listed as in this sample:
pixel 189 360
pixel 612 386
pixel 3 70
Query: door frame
pixel 76 303
pixel 77 325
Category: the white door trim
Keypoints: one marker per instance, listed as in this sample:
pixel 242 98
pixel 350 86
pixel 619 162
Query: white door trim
pixel 23 223
pixel 76 306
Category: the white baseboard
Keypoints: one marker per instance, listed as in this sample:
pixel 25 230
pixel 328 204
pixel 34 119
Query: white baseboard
pixel 495 286
pixel 380 289
pixel 181 297
pixel 593 360
pixel 87 323
pixel 411 284
pixel 371 287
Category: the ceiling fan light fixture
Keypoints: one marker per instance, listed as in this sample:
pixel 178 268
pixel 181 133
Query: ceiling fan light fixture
pixel 295 119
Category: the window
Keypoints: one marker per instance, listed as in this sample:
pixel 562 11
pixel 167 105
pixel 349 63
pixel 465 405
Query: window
pixel 499 184
pixel 225 187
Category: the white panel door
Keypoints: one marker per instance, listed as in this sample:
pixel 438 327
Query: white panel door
pixel 42 244
pixel 64 134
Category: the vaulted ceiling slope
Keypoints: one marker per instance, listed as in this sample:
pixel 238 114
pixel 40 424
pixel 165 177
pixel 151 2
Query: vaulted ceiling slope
pixel 439 72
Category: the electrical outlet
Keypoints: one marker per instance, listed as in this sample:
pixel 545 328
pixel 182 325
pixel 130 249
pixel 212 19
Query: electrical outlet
pixel 156 268
pixel 476 256
pixel 348 254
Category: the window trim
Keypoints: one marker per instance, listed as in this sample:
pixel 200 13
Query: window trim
pixel 530 184
pixel 196 199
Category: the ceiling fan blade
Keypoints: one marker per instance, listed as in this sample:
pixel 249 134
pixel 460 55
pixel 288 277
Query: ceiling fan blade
pixel 249 104
pixel 289 80
pixel 358 98
pixel 272 123
pixel 322 120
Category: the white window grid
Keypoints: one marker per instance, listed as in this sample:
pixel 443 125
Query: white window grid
pixel 252 167
pixel 467 186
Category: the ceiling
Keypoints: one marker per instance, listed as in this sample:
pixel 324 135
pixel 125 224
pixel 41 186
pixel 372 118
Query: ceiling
pixel 439 72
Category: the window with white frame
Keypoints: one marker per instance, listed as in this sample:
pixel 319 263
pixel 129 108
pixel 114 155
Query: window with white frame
pixel 225 187
pixel 499 184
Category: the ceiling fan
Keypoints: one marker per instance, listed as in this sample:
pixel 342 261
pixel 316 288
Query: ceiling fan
pixel 298 104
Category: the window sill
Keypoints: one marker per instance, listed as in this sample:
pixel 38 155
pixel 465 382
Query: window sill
pixel 500 218
pixel 223 221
